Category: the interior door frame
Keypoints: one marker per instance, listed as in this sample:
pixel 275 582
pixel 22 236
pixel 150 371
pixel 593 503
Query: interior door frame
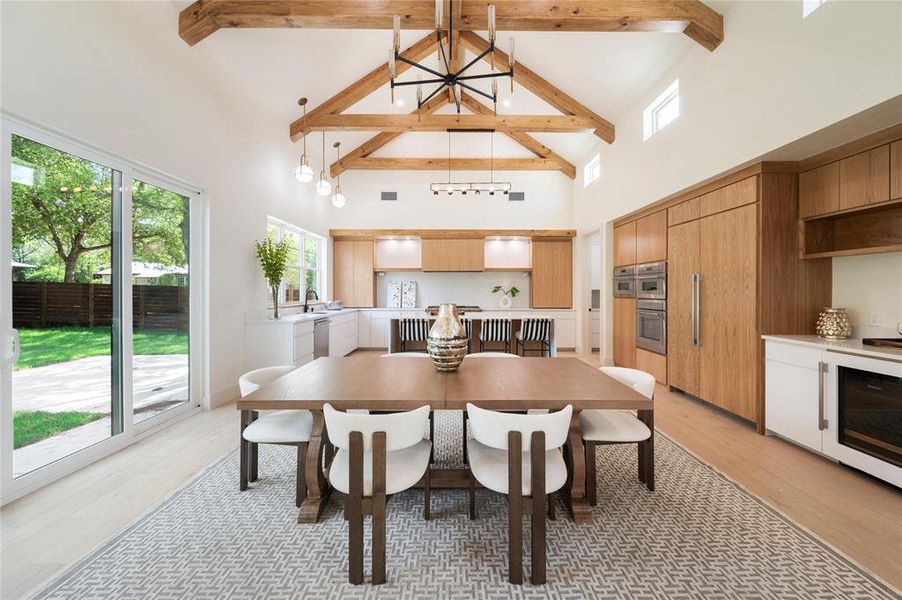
pixel 15 487
pixel 583 286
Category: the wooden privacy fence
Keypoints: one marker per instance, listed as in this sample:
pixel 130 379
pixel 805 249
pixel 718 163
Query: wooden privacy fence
pixel 51 304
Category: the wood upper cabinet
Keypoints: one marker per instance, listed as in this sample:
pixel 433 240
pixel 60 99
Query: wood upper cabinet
pixel 682 263
pixel 453 254
pixel 728 339
pixel 864 178
pixel 625 332
pixel 552 274
pixel 651 237
pixel 819 191
pixel 625 244
pixel 352 273
pixel 682 212
pixel 895 170
pixel 731 196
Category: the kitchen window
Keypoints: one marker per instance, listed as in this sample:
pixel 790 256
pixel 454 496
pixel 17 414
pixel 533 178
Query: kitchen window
pixel 306 259
pixel 809 6
pixel 664 110
pixel 592 170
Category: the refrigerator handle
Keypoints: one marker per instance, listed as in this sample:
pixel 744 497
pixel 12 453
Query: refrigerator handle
pixel 698 309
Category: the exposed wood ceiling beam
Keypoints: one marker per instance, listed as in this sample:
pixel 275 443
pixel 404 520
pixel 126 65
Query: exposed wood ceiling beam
pixel 524 139
pixel 380 140
pixel 692 17
pixel 364 86
pixel 384 122
pixel 456 164
pixel 533 82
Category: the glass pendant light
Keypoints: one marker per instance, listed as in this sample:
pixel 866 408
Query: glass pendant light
pixel 304 173
pixel 338 198
pixel 323 187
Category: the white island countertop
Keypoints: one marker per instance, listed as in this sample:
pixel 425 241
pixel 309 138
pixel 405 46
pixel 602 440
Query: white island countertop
pixel 257 316
pixel 851 345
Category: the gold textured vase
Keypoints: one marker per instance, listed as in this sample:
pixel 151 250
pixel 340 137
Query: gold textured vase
pixel 447 340
pixel 833 324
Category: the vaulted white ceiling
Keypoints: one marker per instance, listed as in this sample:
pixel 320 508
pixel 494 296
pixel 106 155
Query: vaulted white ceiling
pixel 607 72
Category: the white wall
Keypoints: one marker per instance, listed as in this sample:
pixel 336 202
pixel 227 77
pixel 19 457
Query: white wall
pixel 116 75
pixel 474 289
pixel 869 284
pixel 775 78
pixel 548 203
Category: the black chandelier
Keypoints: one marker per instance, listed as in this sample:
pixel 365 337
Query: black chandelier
pixel 455 80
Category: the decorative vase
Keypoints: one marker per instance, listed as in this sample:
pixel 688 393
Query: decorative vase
pixel 833 324
pixel 447 339
pixel 504 302
pixel 275 301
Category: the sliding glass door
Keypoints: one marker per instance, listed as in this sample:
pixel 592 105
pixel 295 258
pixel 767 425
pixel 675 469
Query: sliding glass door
pixel 161 235
pixel 65 381
pixel 98 305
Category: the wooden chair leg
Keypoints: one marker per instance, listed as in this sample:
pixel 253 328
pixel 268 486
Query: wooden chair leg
pixel 464 439
pixel 642 461
pixel 243 451
pixel 427 497
pixel 252 474
pixel 649 419
pixel 354 508
pixel 472 491
pixel 432 436
pixel 300 492
pixel 552 511
pixel 378 533
pixel 591 475
pixel 252 468
pixel 515 507
pixel 537 491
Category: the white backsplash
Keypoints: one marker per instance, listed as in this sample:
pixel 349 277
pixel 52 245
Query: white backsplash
pixel 870 285
pixel 459 288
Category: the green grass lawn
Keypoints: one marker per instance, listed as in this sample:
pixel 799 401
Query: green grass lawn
pixel 60 344
pixel 33 426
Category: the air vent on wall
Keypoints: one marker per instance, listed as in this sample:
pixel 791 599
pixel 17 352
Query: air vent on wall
pixel 516 197
pixel 389 196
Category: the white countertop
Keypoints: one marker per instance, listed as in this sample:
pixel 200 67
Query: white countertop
pixel 298 317
pixel 851 345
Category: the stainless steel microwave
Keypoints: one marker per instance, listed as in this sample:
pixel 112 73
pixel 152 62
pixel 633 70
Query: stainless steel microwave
pixel 651 281
pixel 625 282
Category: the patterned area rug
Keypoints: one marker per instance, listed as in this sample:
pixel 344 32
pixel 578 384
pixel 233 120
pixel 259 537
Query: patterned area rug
pixel 697 536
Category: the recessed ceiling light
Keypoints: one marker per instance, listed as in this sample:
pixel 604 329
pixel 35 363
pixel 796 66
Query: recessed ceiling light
pixel 399 102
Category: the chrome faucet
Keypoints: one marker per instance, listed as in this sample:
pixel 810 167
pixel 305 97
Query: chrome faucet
pixel 307 298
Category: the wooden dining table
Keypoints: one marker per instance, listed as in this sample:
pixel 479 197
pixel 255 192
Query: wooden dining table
pixel 381 383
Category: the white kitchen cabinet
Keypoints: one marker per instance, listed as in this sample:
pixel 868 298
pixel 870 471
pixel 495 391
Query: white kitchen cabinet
pixel 792 392
pixel 363 329
pixel 565 332
pixel 595 329
pixel 342 334
pixel 273 343
pixel 380 326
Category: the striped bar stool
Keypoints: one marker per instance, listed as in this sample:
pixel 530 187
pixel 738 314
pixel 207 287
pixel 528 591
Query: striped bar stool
pixel 495 330
pixel 534 330
pixel 412 330
pixel 468 327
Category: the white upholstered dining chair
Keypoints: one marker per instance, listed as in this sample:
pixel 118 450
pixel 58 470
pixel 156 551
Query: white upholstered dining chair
pixel 282 427
pixel 378 455
pixel 609 427
pixel 519 456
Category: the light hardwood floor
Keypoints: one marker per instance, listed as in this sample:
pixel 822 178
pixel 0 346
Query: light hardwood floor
pixel 59 524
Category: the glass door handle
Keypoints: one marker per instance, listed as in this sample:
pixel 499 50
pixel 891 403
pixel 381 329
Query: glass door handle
pixel 14 348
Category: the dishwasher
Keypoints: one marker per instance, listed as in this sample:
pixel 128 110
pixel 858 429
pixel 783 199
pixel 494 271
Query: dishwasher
pixel 320 337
